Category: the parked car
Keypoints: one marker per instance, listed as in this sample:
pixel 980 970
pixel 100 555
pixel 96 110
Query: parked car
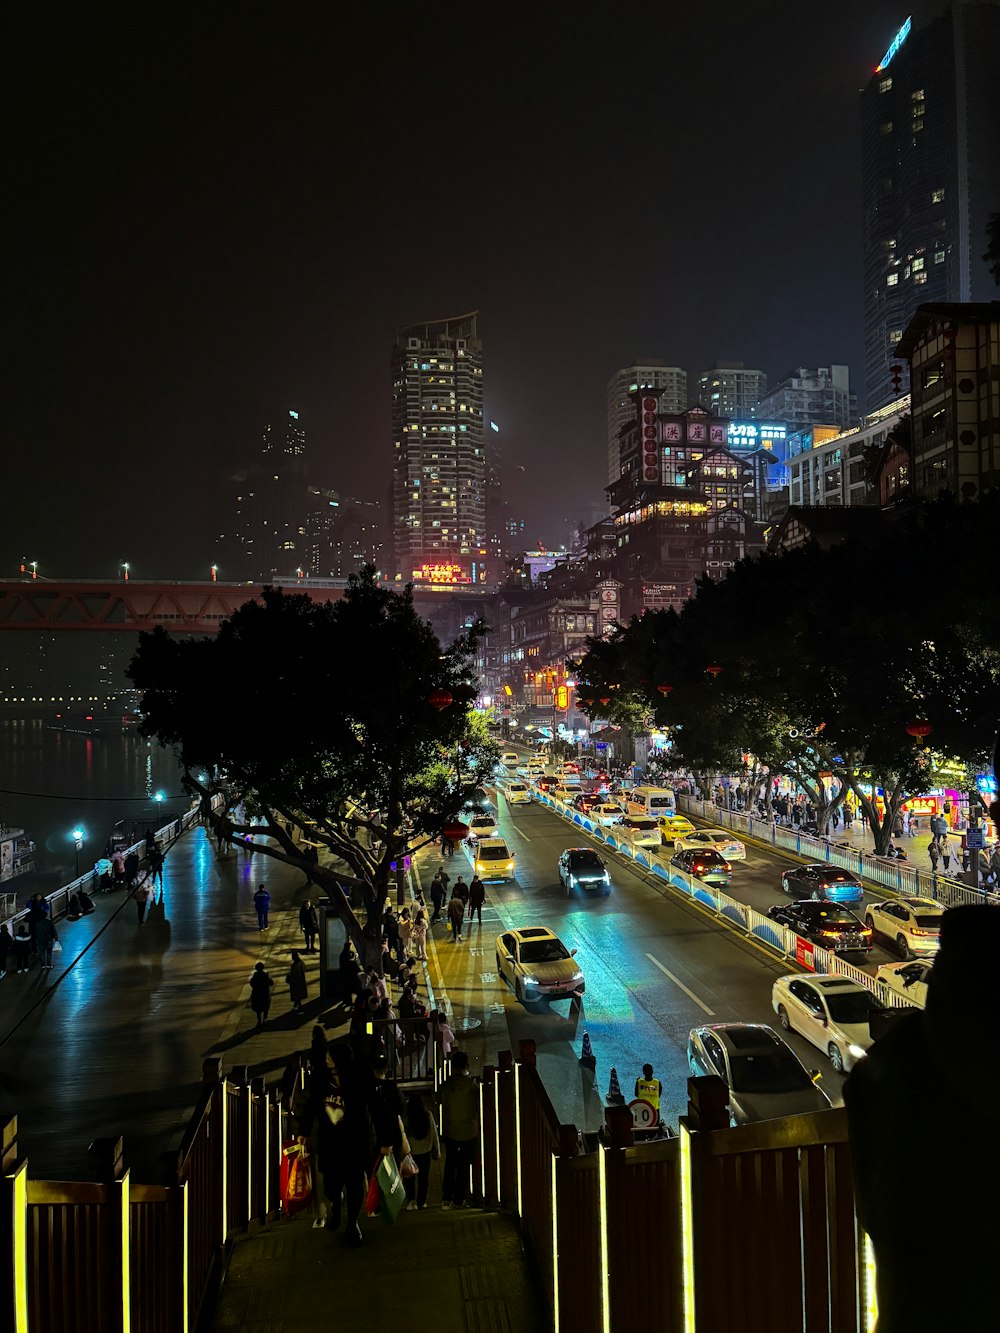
pixel 911 925
pixel 834 1013
pixel 640 830
pixel 517 793
pixel 483 824
pixel 824 924
pixel 907 979
pixel 494 860
pixel 582 868
pixel 674 826
pixel 704 864
pixel 536 964
pixel 718 839
pixel 820 880
pixel 607 813
pixel 766 1079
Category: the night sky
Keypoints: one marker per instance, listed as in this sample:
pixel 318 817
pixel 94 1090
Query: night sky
pixel 222 213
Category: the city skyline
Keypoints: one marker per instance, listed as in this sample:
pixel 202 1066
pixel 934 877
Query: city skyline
pixel 192 256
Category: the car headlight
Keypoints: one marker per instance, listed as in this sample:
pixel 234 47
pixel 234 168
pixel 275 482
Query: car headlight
pixel 530 981
pixel 857 1051
pixel 607 877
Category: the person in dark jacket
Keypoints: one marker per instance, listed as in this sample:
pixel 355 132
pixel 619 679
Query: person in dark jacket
pixel 262 904
pixel 45 938
pixel 477 896
pixel 459 1098
pixel 309 924
pixel 350 971
pixel 456 916
pixel 298 991
pixel 928 1070
pixel 437 896
pixel 22 945
pixel 6 945
pixel 261 985
pixel 37 911
pixel 347 1103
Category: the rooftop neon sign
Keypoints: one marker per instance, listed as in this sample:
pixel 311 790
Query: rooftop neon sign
pixel 896 43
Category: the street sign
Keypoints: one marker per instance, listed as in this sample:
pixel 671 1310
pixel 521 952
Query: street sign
pixel 643 1114
pixel 600 745
pixel 804 953
pixel 975 839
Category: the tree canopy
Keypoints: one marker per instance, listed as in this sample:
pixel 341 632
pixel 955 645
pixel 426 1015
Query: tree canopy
pixel 813 663
pixel 319 720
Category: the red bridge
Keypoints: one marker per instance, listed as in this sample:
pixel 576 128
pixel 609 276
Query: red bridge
pixel 184 608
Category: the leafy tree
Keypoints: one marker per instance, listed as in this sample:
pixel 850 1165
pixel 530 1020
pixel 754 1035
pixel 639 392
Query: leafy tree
pixel 318 721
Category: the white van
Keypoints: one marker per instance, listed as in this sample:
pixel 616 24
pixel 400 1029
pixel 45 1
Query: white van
pixel 653 801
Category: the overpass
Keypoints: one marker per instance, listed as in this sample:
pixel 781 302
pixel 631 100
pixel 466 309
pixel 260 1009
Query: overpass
pixel 129 606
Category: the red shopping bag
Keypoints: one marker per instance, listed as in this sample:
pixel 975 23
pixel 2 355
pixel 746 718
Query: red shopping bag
pixel 373 1201
pixel 296 1176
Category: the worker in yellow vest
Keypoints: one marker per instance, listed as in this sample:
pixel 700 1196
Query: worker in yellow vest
pixel 650 1089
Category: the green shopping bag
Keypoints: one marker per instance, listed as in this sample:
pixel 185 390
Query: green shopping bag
pixel 392 1195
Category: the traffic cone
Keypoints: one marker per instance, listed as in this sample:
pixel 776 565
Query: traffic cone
pixel 614 1091
pixel 588 1059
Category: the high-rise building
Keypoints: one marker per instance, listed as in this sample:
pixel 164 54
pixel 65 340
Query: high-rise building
pixel 731 389
pixel 439 453
pixel 668 383
pixel 812 398
pixel 265 535
pixel 342 535
pixel 931 176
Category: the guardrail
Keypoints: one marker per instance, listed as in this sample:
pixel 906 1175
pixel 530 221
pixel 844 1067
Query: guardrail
pixel 782 940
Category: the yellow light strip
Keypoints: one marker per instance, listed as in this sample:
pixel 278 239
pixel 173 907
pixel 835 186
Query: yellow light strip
pixel 517 1128
pixel 126 1244
pixel 602 1203
pixel 267 1156
pixel 687 1228
pixel 555 1250
pixel 249 1124
pixel 869 1294
pixel 185 1275
pixel 19 1245
pixel 496 1127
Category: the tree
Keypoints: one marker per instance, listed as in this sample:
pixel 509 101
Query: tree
pixel 319 721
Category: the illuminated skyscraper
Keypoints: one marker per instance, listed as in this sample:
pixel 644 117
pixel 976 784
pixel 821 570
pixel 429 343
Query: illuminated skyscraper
pixel 930 176
pixel 439 453
pixel 265 535
pixel 669 383
pixel 731 389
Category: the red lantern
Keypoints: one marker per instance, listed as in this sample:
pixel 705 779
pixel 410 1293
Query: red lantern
pixel 605 698
pixel 455 831
pixel 919 729
pixel 440 699
pixel 664 689
pixel 713 671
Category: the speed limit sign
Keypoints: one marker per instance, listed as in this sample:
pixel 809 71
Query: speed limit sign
pixel 644 1115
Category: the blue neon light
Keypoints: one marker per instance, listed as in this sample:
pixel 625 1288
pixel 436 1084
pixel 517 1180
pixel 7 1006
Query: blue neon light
pixel 896 43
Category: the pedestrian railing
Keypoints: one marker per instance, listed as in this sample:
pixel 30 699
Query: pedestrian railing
pixel 411 1054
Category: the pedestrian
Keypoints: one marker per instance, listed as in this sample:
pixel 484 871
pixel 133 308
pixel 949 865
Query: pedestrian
pixel 45 938
pixel 418 938
pixel 995 864
pixel 459 1098
pixel 425 1147
pixel 296 979
pixel 118 869
pixel 22 945
pixel 156 866
pixel 405 928
pixel 934 852
pixel 261 985
pixel 350 970
pixel 150 842
pixel 262 902
pixel 447 846
pixel 37 911
pixel 348 1112
pixel 945 853
pixel 456 916
pixel 309 924
pixel 437 896
pixel 390 932
pixel 6 945
pixel 649 1088
pixel 144 895
pixel 461 890
pixel 477 896
pixel 444 1038
pixel 131 870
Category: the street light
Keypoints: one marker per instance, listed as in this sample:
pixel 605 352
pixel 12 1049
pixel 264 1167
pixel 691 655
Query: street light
pixel 78 835
pixel 215 573
pixel 125 571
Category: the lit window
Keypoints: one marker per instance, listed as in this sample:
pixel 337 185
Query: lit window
pixel 937 196
pixel 917 96
pixel 918 263
pixel 939 256
pixel 892 280
pixel 919 278
pixel 894 336
pixel 885 128
pixel 918 125
pixel 884 85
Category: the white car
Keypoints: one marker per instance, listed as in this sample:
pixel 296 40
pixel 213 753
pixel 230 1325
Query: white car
pixel 493 860
pixel 909 925
pixel 536 964
pixel 641 831
pixel 517 793
pixel 765 1077
pixel 483 824
pixel 907 979
pixel 607 814
pixel 720 839
pixel 832 1012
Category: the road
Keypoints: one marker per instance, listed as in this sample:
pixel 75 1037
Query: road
pixel 655 966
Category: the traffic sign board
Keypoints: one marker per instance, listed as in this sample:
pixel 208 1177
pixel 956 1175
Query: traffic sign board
pixel 975 839
pixel 643 1114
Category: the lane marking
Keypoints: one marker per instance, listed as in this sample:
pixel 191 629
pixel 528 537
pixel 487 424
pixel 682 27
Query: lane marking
pixel 677 982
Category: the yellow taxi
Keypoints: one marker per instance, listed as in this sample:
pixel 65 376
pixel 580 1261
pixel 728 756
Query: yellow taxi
pixel 674 826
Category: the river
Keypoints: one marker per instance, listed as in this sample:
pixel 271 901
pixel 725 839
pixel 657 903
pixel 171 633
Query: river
pixel 52 782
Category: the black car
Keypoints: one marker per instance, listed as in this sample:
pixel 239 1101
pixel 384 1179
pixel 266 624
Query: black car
pixel 821 880
pixel 582 868
pixel 825 924
pixel 586 801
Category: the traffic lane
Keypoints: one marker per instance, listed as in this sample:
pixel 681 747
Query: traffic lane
pixel 654 965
